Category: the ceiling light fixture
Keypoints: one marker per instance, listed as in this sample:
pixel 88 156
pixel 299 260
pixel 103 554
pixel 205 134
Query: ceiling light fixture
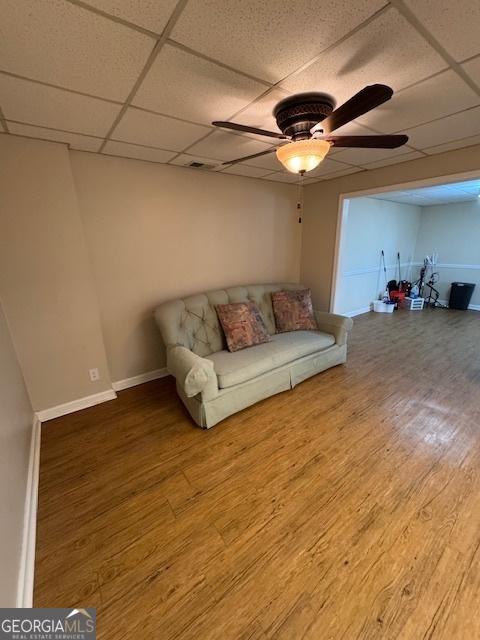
pixel 303 155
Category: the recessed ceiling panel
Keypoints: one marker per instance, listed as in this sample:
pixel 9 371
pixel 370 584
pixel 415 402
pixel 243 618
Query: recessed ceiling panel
pixel 385 162
pixel 60 43
pixel 387 51
pixel 268 39
pixel 260 113
pixel 456 144
pixel 283 176
pixel 364 156
pixel 459 126
pixel 140 153
pixel 473 67
pixel 244 170
pixel 327 166
pixel 190 87
pixel 439 96
pixel 43 106
pixel 435 194
pixel 456 25
pixel 228 146
pixel 142 127
pixel 74 141
pixel 149 14
pixel 186 159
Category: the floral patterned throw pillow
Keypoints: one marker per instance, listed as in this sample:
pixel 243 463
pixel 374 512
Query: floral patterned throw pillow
pixel 293 310
pixel 242 324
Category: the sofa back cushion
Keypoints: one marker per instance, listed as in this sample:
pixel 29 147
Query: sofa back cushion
pixel 193 322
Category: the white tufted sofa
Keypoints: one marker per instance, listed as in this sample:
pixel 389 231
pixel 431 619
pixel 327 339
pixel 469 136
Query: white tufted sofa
pixel 214 383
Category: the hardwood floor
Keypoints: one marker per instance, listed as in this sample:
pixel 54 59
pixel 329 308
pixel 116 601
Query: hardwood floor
pixel 347 508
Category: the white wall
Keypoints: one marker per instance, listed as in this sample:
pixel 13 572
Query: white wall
pixel 452 231
pixel 373 225
pixel 16 419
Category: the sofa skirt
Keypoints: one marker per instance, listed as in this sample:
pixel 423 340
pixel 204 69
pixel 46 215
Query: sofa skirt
pixel 234 399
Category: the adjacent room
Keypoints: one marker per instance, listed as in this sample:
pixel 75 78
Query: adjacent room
pixel 239 320
pixel 389 236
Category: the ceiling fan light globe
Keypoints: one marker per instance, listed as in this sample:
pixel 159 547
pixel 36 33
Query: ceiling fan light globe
pixel 303 155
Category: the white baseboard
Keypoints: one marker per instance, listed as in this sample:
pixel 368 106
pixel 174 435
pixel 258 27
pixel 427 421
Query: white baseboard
pixel 119 385
pixel 471 307
pixel 357 312
pixel 27 558
pixel 76 405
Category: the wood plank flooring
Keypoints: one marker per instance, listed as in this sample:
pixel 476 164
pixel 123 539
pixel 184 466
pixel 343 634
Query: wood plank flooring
pixel 347 508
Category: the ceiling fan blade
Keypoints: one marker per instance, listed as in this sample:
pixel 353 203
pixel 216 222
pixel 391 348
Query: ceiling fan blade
pixel 373 142
pixel 242 127
pixel 365 100
pixel 254 155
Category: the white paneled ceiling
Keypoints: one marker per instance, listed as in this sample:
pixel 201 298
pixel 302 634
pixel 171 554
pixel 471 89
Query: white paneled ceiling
pixel 145 78
pixel 439 194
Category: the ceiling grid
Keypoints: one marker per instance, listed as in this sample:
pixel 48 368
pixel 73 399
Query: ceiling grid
pixel 233 73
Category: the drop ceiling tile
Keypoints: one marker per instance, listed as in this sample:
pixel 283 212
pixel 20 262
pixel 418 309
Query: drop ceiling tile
pixel 142 127
pixel 283 176
pixel 185 159
pixel 267 39
pixel 455 144
pixel 448 129
pixel 126 150
pixel 339 174
pixel 413 155
pixel 149 14
pixel 37 104
pixel 455 25
pixel 388 50
pixel 367 156
pixel 192 88
pixel 74 141
pixel 260 113
pixel 434 98
pixel 60 43
pixel 328 166
pixel 473 69
pixel 228 146
pixel 245 170
pixel 268 162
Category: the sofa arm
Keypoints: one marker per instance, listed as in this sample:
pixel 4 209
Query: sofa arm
pixel 339 326
pixel 193 373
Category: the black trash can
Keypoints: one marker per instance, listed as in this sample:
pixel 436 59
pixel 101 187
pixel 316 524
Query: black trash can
pixel 460 295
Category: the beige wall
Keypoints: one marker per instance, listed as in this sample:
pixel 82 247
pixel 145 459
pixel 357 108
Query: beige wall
pixel 321 208
pixel 452 231
pixel 16 419
pixel 157 232
pixel 45 277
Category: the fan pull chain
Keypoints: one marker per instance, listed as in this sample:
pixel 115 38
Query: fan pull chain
pixel 300 197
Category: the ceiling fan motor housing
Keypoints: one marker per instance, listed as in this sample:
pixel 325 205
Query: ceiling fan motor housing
pixel 297 114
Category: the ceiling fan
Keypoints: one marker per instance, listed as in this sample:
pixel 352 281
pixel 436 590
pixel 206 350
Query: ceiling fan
pixel 307 120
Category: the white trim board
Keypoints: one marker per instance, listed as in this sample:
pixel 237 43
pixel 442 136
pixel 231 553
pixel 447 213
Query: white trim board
pixel 119 385
pixel 357 312
pixel 471 307
pixel 27 558
pixel 76 405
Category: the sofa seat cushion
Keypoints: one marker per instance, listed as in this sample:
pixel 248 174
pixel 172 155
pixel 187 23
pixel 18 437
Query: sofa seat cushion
pixel 240 366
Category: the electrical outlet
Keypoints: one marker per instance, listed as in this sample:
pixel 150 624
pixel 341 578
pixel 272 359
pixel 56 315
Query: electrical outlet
pixel 94 375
